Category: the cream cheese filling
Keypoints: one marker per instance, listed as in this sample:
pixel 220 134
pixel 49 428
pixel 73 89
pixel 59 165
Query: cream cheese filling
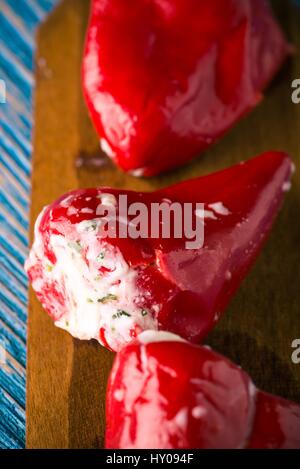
pixel 100 286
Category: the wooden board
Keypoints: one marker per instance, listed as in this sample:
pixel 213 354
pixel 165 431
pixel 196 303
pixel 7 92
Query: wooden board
pixel 66 378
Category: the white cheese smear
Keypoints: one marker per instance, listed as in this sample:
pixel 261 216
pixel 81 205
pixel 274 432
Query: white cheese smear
pixel 147 337
pixel 100 287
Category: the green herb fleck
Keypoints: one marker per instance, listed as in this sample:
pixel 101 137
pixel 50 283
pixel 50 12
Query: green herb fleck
pixel 67 323
pixel 75 245
pixel 100 256
pixel 144 312
pixel 109 297
pixel 49 267
pixel 91 227
pixel 120 313
pixel 89 300
pixel 98 277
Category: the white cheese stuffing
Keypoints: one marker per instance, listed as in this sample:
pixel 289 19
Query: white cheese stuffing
pixel 228 275
pixel 86 210
pixel 105 146
pixel 286 187
pixel 108 200
pixel 100 287
pixel 181 418
pixel 149 336
pixel 198 412
pixel 119 395
pixel 219 208
pixel 71 211
pixel 207 214
pixel 138 172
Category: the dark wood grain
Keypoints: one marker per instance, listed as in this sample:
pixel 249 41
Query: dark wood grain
pixel 66 378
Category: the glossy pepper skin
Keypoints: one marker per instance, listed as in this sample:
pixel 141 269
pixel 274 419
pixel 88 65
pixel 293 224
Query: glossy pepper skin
pixel 165 393
pixel 184 291
pixel 164 79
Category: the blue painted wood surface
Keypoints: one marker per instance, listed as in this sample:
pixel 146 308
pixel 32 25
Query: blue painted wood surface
pixel 18 22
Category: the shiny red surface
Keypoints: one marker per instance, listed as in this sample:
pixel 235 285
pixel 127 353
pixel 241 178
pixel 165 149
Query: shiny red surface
pixel 164 79
pixel 174 395
pixel 193 287
pixel 276 423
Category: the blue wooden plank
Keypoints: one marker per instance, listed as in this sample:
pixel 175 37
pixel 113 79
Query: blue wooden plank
pixel 18 23
pixel 18 46
pixel 10 265
pixel 13 421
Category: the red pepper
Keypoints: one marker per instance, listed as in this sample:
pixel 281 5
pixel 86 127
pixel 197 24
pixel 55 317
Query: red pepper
pixel 164 79
pixel 163 284
pixel 170 394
